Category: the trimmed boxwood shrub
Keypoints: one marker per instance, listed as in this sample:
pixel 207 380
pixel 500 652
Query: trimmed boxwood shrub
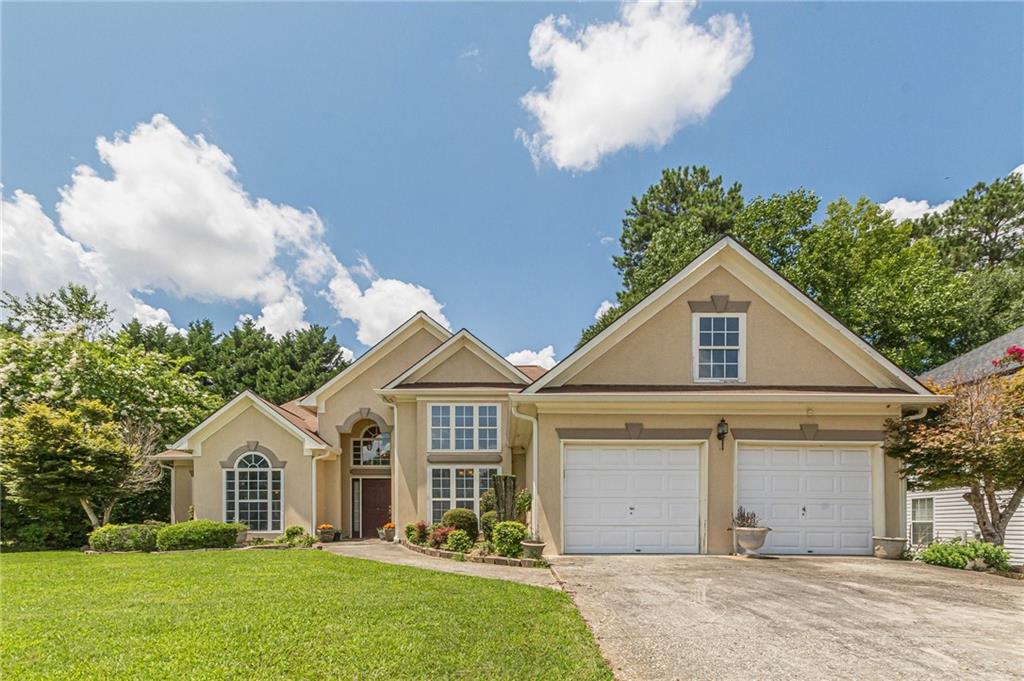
pixel 488 502
pixel 459 541
pixel 462 519
pixel 956 554
pixel 487 522
pixel 139 537
pixel 198 534
pixel 508 538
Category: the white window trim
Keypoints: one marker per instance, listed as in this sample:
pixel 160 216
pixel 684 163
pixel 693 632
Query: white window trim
pixel 451 427
pixel 695 347
pixel 929 522
pixel 452 467
pixel 224 494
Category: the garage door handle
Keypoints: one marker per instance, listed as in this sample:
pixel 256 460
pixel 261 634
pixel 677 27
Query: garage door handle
pixel 803 510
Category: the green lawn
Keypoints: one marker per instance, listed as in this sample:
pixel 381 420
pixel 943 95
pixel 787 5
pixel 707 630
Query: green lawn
pixel 278 614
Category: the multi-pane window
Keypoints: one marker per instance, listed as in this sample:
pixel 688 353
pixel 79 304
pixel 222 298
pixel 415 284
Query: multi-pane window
pixel 253 493
pixel 922 521
pixel 372 448
pixel 719 347
pixel 464 427
pixel 458 487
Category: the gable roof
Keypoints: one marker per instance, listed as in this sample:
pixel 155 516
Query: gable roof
pixel 532 371
pixel 461 340
pixel 286 419
pixel 978 362
pixel 420 320
pixel 850 348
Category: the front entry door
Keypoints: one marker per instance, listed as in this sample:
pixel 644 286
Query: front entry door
pixel 375 505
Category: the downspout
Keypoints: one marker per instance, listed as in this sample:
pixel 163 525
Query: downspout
pixel 918 413
pixel 535 443
pixel 394 465
pixel 312 529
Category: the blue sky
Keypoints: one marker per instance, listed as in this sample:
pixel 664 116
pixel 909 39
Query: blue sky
pixel 396 124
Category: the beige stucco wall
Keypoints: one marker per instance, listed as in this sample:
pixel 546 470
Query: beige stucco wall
pixel 464 366
pixel 778 352
pixel 252 425
pixel 181 484
pixel 721 462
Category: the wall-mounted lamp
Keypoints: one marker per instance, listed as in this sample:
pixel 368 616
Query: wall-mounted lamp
pixel 722 431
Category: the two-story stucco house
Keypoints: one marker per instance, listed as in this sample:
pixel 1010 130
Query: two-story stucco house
pixel 724 387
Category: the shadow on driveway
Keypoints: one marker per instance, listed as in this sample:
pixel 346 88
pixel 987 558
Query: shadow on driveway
pixel 712 617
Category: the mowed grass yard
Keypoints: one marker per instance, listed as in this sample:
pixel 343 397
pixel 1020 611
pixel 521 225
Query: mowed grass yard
pixel 278 614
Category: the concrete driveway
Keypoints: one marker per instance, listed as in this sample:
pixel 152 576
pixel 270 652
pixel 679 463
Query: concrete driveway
pixel 704 617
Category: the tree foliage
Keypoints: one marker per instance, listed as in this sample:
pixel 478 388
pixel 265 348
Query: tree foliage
pixel 976 440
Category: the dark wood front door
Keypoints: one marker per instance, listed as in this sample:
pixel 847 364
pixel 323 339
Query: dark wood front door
pixel 376 505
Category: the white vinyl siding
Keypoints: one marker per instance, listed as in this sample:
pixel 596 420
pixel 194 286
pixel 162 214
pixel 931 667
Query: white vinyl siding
pixel 954 517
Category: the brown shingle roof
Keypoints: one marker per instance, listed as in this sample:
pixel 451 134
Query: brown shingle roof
pixel 532 371
pixel 300 417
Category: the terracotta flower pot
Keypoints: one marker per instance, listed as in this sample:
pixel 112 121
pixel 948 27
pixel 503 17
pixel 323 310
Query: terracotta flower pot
pixel 889 548
pixel 751 539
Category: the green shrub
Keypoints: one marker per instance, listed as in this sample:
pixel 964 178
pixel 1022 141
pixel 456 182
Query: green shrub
pixel 459 541
pixel 508 538
pixel 417 532
pixel 487 523
pixel 140 537
pixel 296 536
pixel 198 534
pixel 954 553
pixel 488 502
pixel 462 519
pixel 523 501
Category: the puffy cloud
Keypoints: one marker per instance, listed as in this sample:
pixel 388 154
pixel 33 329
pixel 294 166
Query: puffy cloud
pixel 544 357
pixel 602 308
pixel 905 209
pixel 1019 170
pixel 629 83
pixel 174 217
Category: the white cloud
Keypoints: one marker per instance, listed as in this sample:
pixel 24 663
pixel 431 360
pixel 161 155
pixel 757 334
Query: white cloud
pixel 1019 170
pixel 346 354
pixel 905 209
pixel 629 83
pixel 174 217
pixel 544 357
pixel 606 240
pixel 602 308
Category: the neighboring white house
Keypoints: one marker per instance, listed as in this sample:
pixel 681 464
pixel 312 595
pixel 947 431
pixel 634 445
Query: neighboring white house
pixel 943 514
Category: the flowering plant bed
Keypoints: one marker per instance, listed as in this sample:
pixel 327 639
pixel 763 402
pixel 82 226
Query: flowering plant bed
pixel 494 560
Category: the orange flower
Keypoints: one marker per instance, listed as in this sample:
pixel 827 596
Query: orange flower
pixel 389 526
pixel 325 526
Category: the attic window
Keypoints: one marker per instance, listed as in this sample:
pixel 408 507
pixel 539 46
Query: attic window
pixel 718 347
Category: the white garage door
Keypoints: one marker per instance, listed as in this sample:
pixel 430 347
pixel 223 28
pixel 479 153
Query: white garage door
pixel 631 499
pixel 815 499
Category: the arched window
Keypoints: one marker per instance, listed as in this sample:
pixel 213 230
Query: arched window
pixel 371 448
pixel 253 493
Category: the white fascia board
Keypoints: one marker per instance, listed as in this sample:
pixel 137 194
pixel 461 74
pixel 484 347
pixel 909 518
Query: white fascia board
pixel 450 347
pixel 370 357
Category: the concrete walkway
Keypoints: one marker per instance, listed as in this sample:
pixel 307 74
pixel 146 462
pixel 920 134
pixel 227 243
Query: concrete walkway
pixel 375 549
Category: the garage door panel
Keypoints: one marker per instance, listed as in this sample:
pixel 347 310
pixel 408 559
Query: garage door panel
pixel 815 499
pixel 652 506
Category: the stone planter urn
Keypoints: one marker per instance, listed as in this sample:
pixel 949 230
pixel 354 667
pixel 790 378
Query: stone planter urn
pixel 889 548
pixel 751 539
pixel 389 534
pixel 242 536
pixel 533 548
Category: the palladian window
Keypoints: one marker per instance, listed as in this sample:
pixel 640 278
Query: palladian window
pixel 253 493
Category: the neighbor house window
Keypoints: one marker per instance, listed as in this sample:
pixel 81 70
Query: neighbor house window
pixel 458 487
pixel 372 448
pixel 463 427
pixel 922 521
pixel 718 351
pixel 253 493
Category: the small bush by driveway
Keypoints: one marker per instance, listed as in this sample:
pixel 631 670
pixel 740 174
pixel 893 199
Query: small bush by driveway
pixel 703 617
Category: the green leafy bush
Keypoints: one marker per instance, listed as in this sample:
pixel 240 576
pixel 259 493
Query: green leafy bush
pixel 296 536
pixel 487 523
pixel 198 534
pixel 955 553
pixel 439 536
pixel 459 541
pixel 140 537
pixel 488 502
pixel 417 532
pixel 462 519
pixel 508 538
pixel 523 501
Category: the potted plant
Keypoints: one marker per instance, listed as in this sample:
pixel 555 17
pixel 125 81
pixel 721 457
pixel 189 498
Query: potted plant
pixel 889 548
pixel 533 547
pixel 749 534
pixel 387 532
pixel 326 532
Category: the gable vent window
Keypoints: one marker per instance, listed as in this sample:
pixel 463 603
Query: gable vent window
pixel 718 350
